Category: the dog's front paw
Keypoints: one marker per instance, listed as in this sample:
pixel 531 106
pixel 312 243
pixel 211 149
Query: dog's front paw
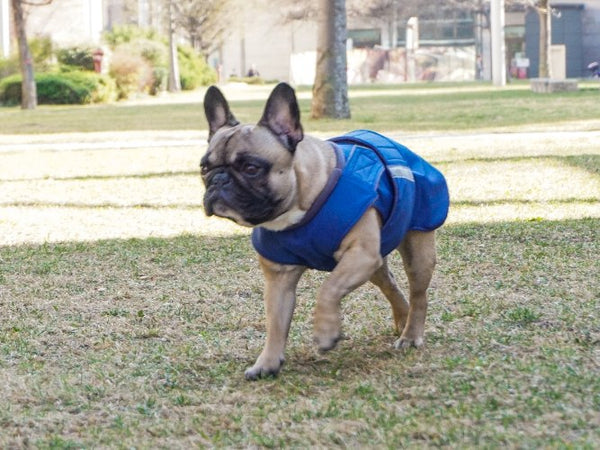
pixel 406 342
pixel 264 367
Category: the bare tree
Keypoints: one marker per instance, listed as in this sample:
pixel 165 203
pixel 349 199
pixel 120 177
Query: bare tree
pixel 292 10
pixel 28 87
pixel 545 16
pixel 174 83
pixel 203 21
pixel 544 12
pixel 330 91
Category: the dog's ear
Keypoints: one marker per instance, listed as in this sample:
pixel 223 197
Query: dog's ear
pixel 217 111
pixel 282 116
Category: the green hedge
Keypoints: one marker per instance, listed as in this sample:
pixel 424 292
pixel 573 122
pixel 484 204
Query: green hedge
pixel 193 69
pixel 61 88
pixel 80 57
pixel 132 73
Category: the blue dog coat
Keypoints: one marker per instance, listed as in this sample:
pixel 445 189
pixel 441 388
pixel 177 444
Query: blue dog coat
pixel 372 171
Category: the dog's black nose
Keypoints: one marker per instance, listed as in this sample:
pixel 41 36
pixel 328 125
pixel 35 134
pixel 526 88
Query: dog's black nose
pixel 220 178
pixel 204 159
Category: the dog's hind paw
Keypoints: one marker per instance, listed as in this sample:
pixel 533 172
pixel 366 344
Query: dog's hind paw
pixel 326 343
pixel 327 331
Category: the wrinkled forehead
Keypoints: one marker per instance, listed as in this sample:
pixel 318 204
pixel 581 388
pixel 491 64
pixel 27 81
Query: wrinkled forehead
pixel 223 145
pixel 228 143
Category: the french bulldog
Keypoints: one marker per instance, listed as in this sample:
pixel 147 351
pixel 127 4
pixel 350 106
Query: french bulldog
pixel 310 208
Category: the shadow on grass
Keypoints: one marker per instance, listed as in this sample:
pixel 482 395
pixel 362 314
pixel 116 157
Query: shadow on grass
pixel 591 163
pixel 484 272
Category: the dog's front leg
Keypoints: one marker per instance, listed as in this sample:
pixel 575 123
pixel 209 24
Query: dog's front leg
pixel 358 259
pixel 280 300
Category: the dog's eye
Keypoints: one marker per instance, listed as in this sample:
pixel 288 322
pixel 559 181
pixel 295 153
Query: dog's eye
pixel 250 169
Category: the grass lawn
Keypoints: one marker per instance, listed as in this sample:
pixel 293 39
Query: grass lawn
pixel 411 108
pixel 129 318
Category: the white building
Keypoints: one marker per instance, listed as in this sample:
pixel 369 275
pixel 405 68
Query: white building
pixel 68 22
pixel 261 38
pixel 4 28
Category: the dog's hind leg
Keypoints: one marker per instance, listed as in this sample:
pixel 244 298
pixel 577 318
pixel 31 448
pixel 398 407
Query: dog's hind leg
pixel 384 280
pixel 418 255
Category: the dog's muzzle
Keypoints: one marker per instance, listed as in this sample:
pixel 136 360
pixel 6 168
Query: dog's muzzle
pixel 215 183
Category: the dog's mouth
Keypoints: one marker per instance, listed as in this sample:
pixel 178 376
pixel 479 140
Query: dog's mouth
pixel 215 204
pixel 220 209
pixel 244 210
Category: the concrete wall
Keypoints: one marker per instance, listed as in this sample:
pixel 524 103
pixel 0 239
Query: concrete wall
pixel 263 40
pixel 591 32
pixel 4 29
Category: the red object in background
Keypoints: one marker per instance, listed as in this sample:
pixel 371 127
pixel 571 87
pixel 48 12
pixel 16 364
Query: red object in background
pixel 98 54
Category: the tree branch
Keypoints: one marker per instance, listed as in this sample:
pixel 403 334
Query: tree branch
pixel 34 3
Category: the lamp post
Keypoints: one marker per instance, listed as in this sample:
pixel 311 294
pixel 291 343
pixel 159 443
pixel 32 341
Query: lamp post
pixel 498 45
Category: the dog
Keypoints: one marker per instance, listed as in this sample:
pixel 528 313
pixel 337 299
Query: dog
pixel 340 205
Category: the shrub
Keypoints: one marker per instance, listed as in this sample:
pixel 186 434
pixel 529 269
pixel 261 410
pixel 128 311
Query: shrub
pixel 10 90
pixel 57 89
pixel 123 34
pixel 101 87
pixel 140 62
pixel 79 57
pixel 9 66
pixel 193 69
pixel 155 52
pixel 41 52
pixel 60 88
pixel 159 82
pixel 131 72
pixel 156 55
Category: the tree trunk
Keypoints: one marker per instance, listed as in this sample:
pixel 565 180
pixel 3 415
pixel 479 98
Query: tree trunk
pixel 545 17
pixel 330 91
pixel 28 87
pixel 174 83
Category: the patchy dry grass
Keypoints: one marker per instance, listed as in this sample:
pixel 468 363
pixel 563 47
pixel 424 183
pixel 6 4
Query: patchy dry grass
pixel 142 343
pixel 128 317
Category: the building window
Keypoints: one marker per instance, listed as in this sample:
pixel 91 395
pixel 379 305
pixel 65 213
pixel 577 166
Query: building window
pixel 368 37
pixel 449 28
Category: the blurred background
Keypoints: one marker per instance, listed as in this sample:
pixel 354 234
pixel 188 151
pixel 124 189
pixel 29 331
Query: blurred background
pixel 388 40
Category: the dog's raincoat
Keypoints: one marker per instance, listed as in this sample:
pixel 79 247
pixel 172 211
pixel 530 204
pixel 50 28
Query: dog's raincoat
pixel 372 171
